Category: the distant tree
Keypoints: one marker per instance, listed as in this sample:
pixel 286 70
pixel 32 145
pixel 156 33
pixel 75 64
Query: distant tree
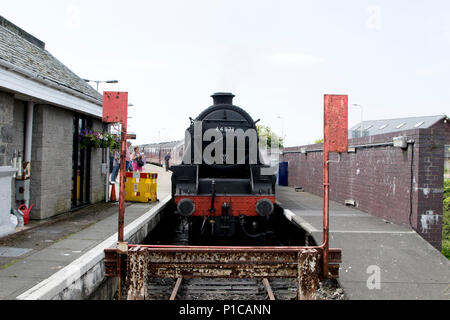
pixel 266 131
pixel 318 141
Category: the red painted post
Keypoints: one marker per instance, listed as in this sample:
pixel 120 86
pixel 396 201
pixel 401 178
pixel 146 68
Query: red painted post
pixel 123 153
pixel 115 110
pixel 335 140
pixel 326 217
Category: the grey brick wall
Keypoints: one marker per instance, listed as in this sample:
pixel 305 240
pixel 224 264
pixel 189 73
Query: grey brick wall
pixel 97 179
pixel 6 127
pixel 18 141
pixel 379 178
pixel 51 170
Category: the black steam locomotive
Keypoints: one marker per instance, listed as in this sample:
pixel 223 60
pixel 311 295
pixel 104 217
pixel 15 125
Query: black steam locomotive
pixel 223 187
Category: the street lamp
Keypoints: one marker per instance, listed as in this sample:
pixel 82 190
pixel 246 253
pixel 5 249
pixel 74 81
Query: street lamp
pixel 99 81
pixel 362 122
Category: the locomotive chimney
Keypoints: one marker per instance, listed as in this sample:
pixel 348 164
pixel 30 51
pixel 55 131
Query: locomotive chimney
pixel 223 98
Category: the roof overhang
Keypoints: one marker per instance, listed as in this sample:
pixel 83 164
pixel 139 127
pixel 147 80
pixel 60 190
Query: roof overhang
pixel 39 91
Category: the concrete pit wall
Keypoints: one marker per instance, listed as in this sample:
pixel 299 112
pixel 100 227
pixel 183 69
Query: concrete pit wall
pixel 379 179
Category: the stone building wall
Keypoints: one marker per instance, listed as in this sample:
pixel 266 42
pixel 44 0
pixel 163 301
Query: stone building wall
pixel 51 169
pixel 97 178
pixel 18 139
pixel 6 127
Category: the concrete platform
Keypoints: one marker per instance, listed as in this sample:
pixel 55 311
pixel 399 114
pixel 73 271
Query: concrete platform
pixel 66 256
pixel 409 267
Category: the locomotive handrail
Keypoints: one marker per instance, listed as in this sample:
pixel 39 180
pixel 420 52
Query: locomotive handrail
pixel 224 120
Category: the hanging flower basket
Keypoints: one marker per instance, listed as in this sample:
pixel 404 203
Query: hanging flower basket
pixel 93 139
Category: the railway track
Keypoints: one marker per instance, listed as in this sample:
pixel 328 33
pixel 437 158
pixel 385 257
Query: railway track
pixel 221 289
pixel 234 289
pixel 227 289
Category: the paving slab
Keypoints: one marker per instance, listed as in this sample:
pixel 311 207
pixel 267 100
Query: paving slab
pixel 56 254
pixel 10 286
pixel 28 268
pixel 73 244
pixel 407 266
pixel 89 235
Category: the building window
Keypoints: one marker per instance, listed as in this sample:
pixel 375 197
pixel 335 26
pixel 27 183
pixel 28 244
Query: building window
pixel 419 124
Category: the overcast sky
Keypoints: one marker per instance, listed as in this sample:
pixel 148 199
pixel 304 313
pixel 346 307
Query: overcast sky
pixel 278 57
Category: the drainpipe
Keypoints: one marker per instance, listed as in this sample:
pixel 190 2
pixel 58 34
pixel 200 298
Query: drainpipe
pixel 29 131
pixel 28 137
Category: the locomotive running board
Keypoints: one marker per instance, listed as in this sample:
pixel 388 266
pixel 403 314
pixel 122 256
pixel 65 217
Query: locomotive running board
pixel 141 262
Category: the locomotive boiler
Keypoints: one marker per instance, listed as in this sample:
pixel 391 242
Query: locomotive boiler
pixel 223 188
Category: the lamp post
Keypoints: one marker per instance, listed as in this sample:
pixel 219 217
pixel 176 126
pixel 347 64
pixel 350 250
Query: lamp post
pixel 362 122
pixel 99 81
pixel 282 127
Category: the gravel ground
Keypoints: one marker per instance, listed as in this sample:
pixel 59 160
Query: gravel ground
pixel 236 289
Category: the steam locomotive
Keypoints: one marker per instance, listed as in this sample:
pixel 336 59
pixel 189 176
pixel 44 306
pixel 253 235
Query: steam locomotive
pixel 223 187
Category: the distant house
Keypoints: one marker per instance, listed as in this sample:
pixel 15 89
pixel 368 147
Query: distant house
pixel 43 108
pixel 375 127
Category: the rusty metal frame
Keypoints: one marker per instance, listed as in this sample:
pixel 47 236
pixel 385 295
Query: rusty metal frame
pixel 144 261
pixel 307 264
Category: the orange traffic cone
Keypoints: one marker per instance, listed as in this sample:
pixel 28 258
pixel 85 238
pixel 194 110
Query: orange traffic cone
pixel 113 198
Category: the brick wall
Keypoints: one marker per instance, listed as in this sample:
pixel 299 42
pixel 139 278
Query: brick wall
pixel 51 161
pixel 6 127
pixel 97 178
pixel 12 113
pixel 379 178
pixel 18 139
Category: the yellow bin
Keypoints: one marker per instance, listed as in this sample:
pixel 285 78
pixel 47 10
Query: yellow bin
pixel 140 187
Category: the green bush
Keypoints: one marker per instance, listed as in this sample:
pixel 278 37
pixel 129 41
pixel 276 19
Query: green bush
pixel 446 224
